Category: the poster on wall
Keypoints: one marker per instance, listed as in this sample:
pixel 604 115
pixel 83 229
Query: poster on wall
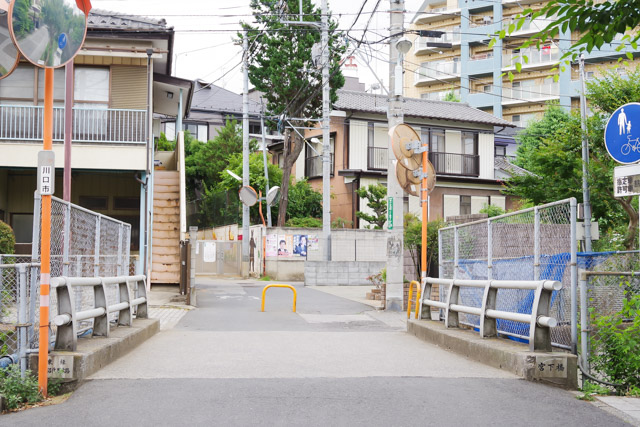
pixel 312 242
pixel 272 245
pixel 285 245
pixel 300 245
pixel 209 252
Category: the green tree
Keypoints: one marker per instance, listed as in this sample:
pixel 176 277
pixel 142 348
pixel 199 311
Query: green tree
pixel 376 196
pixel 304 201
pixel 7 239
pixel 22 22
pixel 552 151
pixel 413 241
pixel 492 210
pixel 451 97
pixel 281 67
pixel 596 22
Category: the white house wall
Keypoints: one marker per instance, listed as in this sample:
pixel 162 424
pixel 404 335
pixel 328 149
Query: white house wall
pixel 486 153
pixel 300 164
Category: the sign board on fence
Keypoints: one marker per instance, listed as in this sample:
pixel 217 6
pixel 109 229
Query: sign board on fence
pixel 60 366
pixel 622 134
pixel 550 367
pixel 209 252
pixel 626 180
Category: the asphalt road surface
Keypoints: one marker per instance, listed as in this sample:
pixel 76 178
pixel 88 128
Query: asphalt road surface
pixel 334 363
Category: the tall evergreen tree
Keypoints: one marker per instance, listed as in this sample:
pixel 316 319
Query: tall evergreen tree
pixel 281 67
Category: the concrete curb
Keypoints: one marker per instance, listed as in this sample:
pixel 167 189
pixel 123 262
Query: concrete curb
pixel 97 352
pixel 499 353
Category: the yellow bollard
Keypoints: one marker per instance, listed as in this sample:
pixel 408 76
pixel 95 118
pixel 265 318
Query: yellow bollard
pixel 295 294
pixel 410 295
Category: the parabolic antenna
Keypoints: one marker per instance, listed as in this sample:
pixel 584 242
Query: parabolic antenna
pixel 49 33
pixel 9 55
pixel 273 195
pixel 400 135
pixel 248 196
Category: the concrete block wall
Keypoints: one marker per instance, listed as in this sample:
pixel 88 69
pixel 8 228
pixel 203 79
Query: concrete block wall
pixel 341 273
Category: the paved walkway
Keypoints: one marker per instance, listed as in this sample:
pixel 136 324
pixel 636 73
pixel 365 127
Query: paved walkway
pixel 335 362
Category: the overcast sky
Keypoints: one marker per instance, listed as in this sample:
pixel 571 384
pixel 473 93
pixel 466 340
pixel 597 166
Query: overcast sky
pixel 205 30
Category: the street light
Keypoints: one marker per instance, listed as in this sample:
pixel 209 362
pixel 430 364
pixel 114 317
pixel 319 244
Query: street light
pixel 403 45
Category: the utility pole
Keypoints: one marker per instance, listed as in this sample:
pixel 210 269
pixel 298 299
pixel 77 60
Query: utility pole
pixel 326 136
pixel 266 168
pixel 245 152
pixel 585 161
pixel 395 193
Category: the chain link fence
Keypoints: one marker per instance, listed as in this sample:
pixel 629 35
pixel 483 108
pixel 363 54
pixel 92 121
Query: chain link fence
pixel 609 281
pixel 532 244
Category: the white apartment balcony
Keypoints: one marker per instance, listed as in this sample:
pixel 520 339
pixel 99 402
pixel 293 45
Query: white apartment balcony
pixel 528 94
pixel 451 35
pixel 437 71
pixel 530 26
pixel 91 125
pixel 435 15
pixel 544 57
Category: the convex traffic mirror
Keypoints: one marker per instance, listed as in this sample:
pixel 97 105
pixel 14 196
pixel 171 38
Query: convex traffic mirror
pixel 9 56
pixel 48 33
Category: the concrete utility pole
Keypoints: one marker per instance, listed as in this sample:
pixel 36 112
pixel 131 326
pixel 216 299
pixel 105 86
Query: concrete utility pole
pixel 326 136
pixel 585 161
pixel 395 194
pixel 245 152
pixel 266 168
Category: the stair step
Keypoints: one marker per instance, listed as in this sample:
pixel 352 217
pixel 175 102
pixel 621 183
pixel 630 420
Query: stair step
pixel 167 174
pixel 165 226
pixel 165 188
pixel 157 210
pixel 169 235
pixel 165 277
pixel 165 250
pixel 165 268
pixel 161 218
pixel 166 242
pixel 166 259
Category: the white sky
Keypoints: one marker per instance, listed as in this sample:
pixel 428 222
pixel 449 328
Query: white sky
pixel 205 28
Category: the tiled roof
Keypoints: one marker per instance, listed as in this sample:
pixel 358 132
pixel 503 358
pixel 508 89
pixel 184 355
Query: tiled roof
pixel 503 164
pixel 105 20
pixel 217 99
pixel 414 107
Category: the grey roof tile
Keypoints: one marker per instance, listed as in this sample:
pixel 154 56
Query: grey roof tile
pixel 414 107
pixel 503 164
pixel 105 20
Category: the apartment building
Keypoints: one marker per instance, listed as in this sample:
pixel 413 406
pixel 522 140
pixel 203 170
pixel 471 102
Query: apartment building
pixel 123 61
pixel 461 61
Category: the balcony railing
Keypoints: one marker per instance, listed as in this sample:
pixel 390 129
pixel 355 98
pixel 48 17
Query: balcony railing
pixel 377 158
pixel 544 55
pixel 455 164
pixel 24 123
pixel 438 70
pixel 530 93
pixel 530 25
pixel 313 166
pixel 451 35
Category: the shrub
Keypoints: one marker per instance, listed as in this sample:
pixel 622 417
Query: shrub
pixel 304 223
pixel 7 239
pixel 18 390
pixel 615 348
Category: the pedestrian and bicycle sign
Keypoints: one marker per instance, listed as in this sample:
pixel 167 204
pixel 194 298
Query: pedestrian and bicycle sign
pixel 622 134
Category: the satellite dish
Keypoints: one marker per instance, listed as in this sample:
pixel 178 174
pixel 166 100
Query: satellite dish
pixel 248 196
pixel 9 55
pixel 49 34
pixel 273 195
pixel 400 135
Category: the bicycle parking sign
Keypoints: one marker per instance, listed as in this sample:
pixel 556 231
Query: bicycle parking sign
pixel 622 134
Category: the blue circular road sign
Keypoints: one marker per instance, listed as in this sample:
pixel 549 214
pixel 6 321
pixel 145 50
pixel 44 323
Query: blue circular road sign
pixel 622 134
pixel 62 41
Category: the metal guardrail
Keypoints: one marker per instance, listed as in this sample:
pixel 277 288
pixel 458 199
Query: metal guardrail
pixel 67 320
pixel 540 323
pixel 295 294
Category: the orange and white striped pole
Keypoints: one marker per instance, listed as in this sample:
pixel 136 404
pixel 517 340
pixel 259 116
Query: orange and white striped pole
pixel 45 241
pixel 424 194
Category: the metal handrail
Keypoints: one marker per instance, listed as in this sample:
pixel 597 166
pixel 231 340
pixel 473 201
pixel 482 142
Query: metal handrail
pixel 540 323
pixel 67 320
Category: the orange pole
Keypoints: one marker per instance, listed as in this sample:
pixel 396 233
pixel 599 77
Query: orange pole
pixel 425 196
pixel 45 242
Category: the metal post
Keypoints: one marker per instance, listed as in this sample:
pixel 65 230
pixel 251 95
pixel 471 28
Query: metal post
pixel 245 152
pixel 490 249
pixel 67 240
pixel 585 161
pixel 574 277
pixel 96 250
pixel 326 137
pixel 119 270
pixel 395 194
pixel 266 169
pixel 22 318
pixel 456 240
pixel 584 323
pixel 68 129
pixel 179 115
pixel 536 244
